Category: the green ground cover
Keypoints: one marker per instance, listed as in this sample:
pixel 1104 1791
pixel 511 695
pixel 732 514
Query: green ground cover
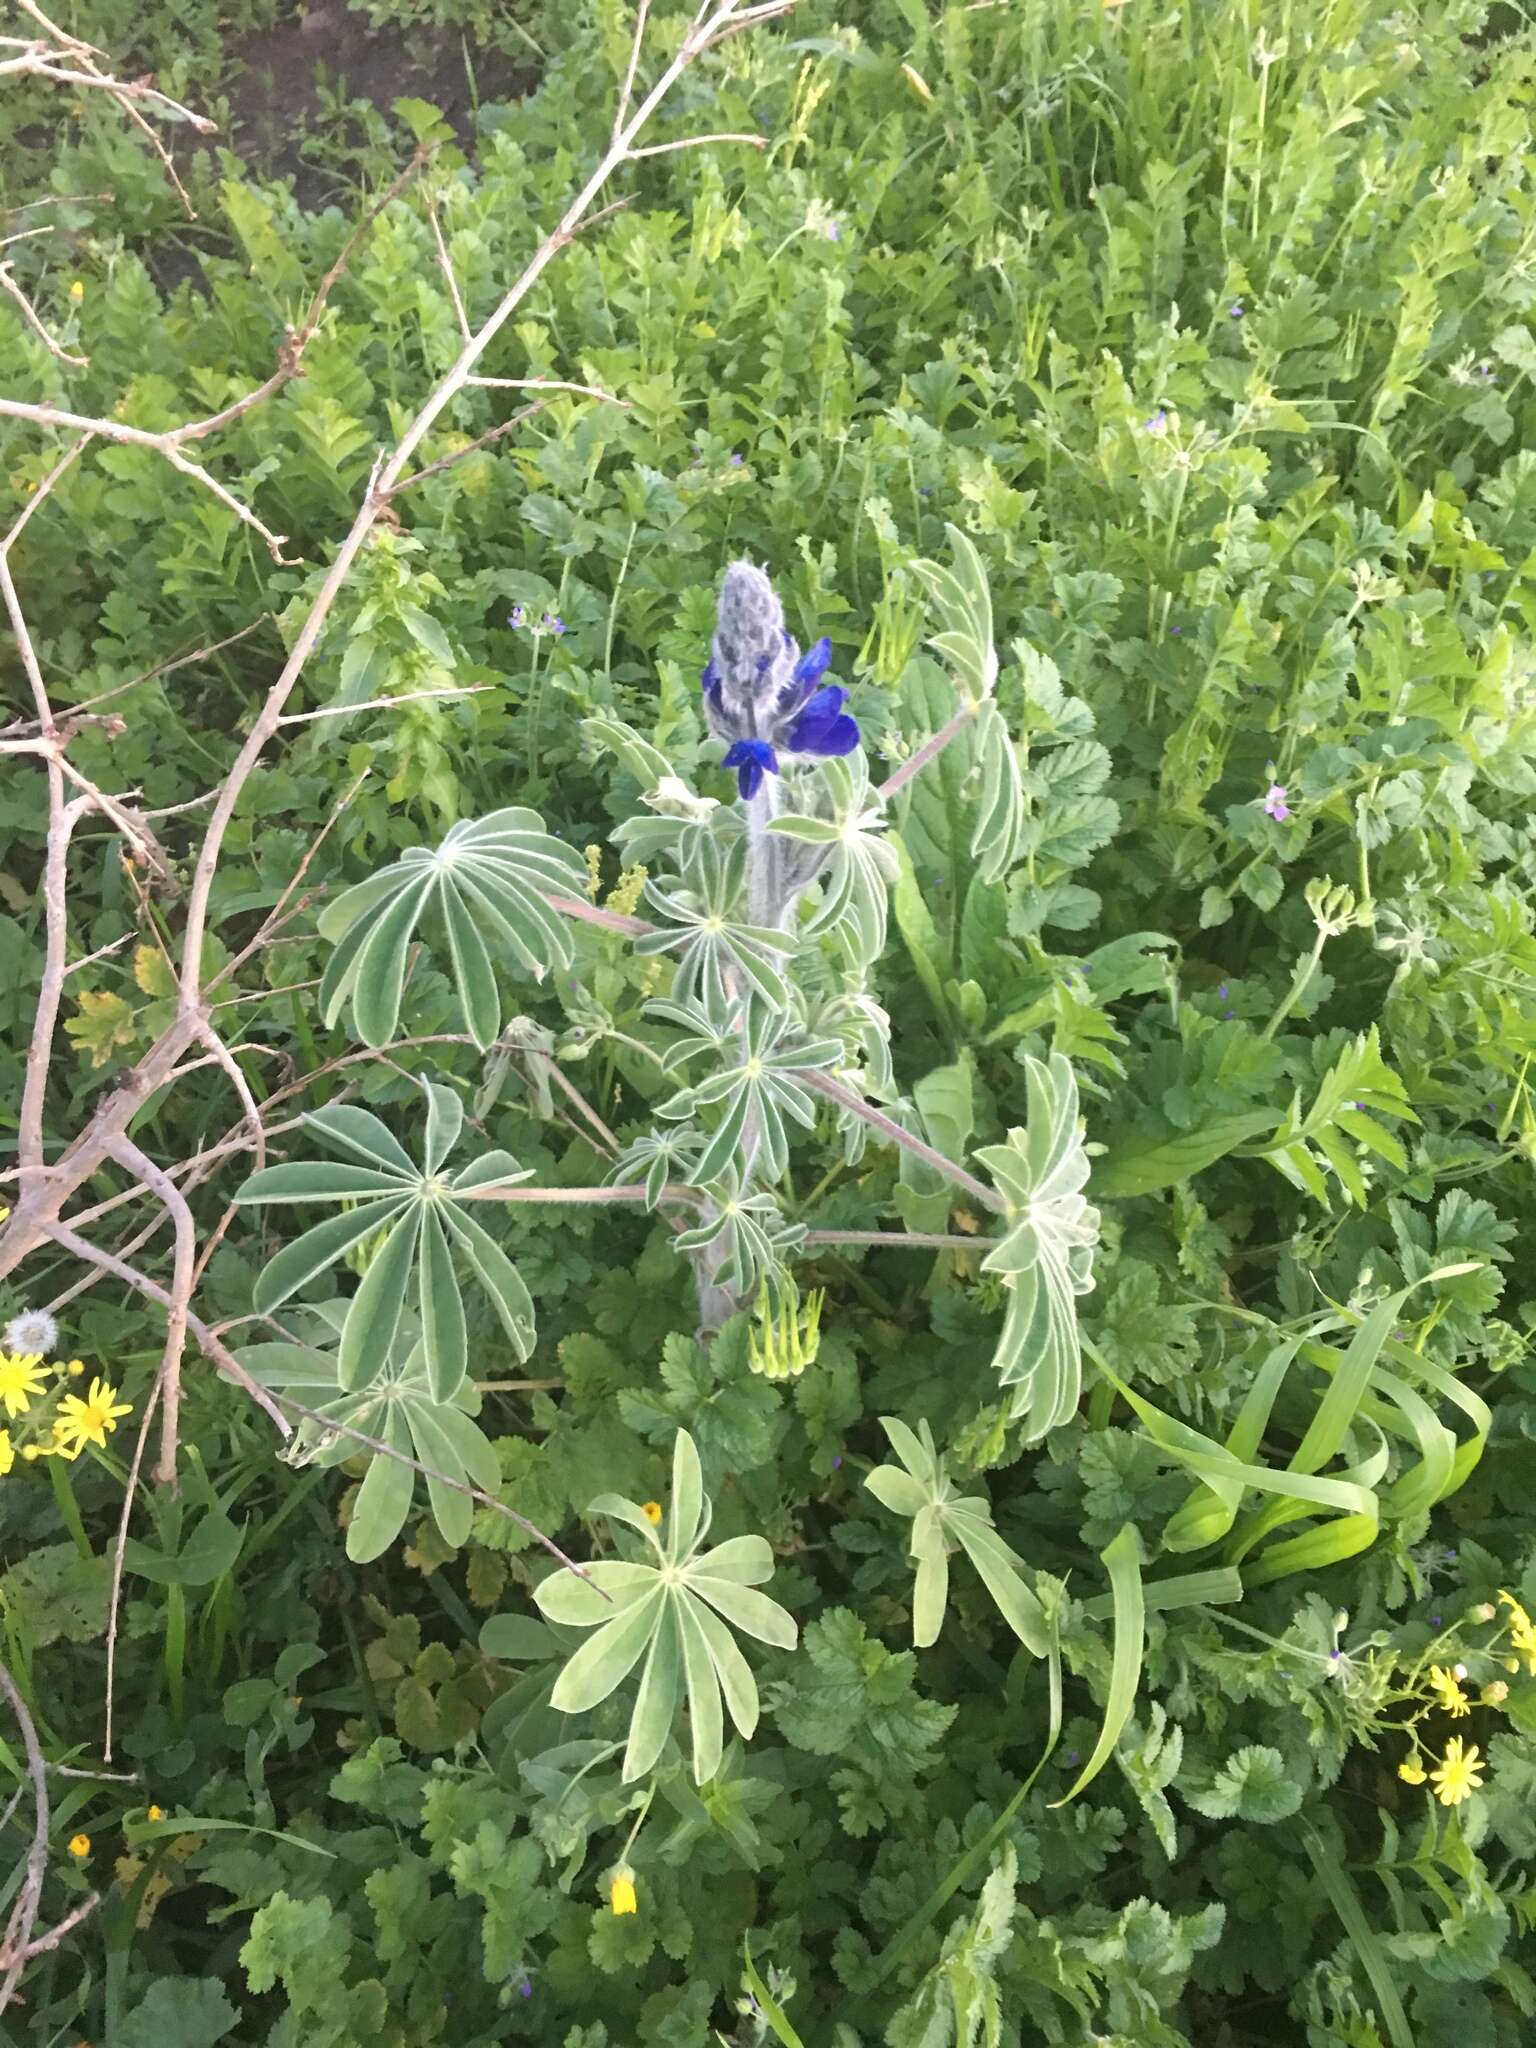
pixel 1119 1611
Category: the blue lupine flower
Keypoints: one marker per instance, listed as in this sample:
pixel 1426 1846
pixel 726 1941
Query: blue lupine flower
pixel 761 694
pixel 823 727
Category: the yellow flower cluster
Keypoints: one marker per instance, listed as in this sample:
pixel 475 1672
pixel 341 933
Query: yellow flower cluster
pixel 624 896
pixel 1522 1634
pixel 77 1420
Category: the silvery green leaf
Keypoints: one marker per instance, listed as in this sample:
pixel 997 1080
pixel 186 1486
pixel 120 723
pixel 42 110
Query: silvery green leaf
pixel 492 881
pixel 1045 1257
pixel 669 1618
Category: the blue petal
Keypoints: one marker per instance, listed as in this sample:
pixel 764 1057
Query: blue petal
pixel 750 759
pixel 815 662
pixel 823 727
pixel 840 737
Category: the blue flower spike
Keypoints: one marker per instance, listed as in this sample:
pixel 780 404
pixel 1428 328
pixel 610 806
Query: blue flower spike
pixel 761 694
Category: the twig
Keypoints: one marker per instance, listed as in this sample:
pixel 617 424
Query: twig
pixel 447 270
pixel 627 89
pixel 386 703
pixel 168 668
pixel 545 384
pixel 208 1342
pixel 19 1944
pixel 443 462
pixel 695 142
pixel 34 321
pixel 120 1555
pixel 160 1184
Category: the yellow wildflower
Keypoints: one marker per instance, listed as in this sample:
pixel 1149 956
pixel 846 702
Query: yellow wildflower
pixel 87 1421
pixel 1448 1692
pixel 21 1380
pixel 1459 1775
pixel 156 1813
pixel 1410 1770
pixel 621 1891
pixel 77 291
pixel 651 1509
pixel 7 1452
pixel 1522 1631
pixel 79 1846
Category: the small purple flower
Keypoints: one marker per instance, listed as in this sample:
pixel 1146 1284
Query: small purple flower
pixel 925 490
pixel 1156 423
pixel 1485 371
pixel 837 1462
pixel 1229 1013
pixel 736 462
pixel 1176 631
pixel 834 231
pixel 1222 990
pixel 516 616
pixel 554 622
pixel 1434 1621
pixel 1235 310
pixel 1275 805
pixel 525 1989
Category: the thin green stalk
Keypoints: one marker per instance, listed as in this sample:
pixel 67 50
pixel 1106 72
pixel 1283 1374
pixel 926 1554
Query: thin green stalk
pixel 69 1507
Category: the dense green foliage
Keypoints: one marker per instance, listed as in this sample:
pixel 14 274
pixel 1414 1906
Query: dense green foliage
pixel 1215 337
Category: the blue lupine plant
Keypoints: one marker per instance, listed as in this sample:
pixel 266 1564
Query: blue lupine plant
pixel 760 691
pixel 767 918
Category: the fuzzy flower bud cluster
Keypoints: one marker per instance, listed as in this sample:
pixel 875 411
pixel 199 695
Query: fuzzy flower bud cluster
pixel 761 694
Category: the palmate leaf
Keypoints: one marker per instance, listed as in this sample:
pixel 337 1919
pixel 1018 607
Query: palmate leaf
pixel 400 1408
pixel 1046 1257
pixel 719 955
pixel 751 1096
pixel 859 865
pixel 941 1519
pixel 425 1217
pixel 747 1237
pixel 669 1618
pixel 490 882
pixel 964 603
